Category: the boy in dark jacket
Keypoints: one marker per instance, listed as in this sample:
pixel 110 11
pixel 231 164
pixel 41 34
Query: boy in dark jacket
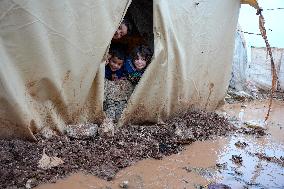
pixel 114 64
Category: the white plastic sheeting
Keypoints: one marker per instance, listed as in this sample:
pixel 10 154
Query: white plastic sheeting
pixel 281 73
pixel 51 69
pixel 238 80
pixel 259 69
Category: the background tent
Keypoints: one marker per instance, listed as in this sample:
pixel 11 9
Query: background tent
pixel 240 62
pixel 259 69
pixel 51 68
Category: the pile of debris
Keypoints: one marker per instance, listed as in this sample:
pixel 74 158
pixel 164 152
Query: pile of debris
pixel 29 164
pixel 234 96
pixel 116 95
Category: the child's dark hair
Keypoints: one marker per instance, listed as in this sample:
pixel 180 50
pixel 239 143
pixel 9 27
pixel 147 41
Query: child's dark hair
pixel 128 25
pixel 117 53
pixel 143 51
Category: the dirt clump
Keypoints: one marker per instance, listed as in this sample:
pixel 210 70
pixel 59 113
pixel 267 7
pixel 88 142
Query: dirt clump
pixel 273 159
pixel 104 156
pixel 234 96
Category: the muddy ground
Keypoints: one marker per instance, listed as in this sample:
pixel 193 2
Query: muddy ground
pixel 239 160
pixel 234 96
pixel 104 156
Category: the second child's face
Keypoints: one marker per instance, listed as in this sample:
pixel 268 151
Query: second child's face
pixel 120 32
pixel 115 64
pixel 140 62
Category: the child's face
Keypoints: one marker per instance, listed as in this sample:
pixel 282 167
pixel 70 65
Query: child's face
pixel 115 63
pixel 140 62
pixel 120 32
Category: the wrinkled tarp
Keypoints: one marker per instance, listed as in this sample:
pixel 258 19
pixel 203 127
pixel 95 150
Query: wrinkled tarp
pixel 51 69
pixel 259 69
pixel 238 80
pixel 191 67
pixel 52 73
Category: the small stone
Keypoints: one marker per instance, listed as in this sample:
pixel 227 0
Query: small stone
pixel 124 184
pixel 82 131
pixel 218 186
pixel 47 162
pixel 240 144
pixel 47 133
pixel 28 184
pixel 237 159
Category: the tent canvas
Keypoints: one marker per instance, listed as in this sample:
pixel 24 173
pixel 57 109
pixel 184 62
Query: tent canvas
pixel 259 69
pixel 52 69
pixel 238 80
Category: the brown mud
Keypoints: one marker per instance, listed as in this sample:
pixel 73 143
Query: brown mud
pixel 104 156
pixel 210 161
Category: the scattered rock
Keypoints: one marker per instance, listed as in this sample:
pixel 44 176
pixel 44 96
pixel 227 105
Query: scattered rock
pixel 107 128
pixel 255 124
pixel 222 166
pixel 238 172
pixel 28 184
pixel 47 162
pixel 47 133
pixel 237 96
pixel 204 172
pixel 240 144
pixel 234 96
pixel 257 131
pixel 124 184
pixel 237 159
pixel 218 186
pixel 81 131
pixel 274 159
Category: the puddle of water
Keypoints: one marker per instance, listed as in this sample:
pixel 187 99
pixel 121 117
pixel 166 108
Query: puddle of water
pixel 171 173
pixel 256 111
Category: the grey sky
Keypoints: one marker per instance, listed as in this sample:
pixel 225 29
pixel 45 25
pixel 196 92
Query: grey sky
pixel 274 21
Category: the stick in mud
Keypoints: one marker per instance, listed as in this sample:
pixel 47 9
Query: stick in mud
pixel 273 70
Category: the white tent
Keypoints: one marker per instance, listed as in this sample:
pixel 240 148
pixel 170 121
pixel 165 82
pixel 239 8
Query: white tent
pixel 239 76
pixel 52 70
pixel 259 69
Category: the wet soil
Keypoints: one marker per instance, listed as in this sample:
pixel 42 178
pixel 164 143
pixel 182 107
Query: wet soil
pixel 209 161
pixel 104 156
pixel 234 96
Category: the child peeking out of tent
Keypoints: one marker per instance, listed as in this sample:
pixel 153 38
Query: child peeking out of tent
pixel 114 65
pixel 136 64
pixel 122 30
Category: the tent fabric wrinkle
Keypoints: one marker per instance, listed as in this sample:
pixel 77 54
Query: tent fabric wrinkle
pixel 52 74
pixel 188 57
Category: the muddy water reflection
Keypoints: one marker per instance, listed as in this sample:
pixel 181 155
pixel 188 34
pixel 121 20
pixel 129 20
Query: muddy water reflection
pixel 197 164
